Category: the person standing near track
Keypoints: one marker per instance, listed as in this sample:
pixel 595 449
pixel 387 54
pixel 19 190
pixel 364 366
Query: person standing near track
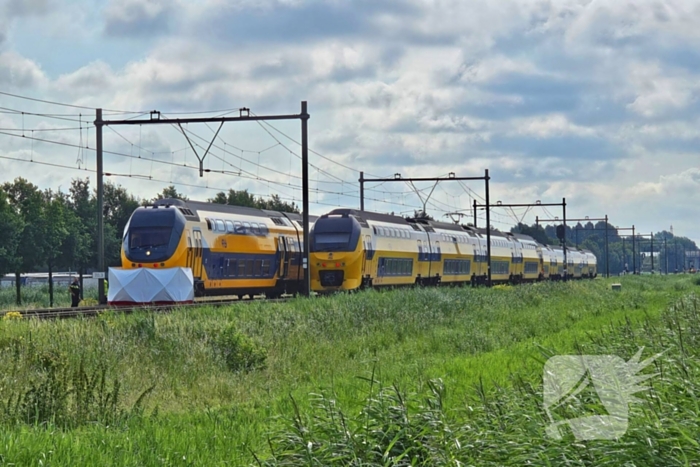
pixel 74 293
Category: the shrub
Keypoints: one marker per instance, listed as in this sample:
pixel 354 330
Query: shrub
pixel 239 352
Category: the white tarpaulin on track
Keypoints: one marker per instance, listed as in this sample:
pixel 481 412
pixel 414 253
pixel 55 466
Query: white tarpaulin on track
pixel 129 286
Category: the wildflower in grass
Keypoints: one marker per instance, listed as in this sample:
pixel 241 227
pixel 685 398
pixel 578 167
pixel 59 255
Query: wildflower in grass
pixel 12 315
pixel 88 302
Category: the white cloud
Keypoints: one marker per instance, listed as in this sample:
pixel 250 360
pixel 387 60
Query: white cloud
pixel 19 72
pixel 554 98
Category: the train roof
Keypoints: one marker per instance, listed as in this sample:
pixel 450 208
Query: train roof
pixel 520 236
pixel 190 209
pixel 370 216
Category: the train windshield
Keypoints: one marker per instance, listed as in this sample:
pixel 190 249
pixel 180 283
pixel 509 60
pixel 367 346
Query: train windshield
pixel 149 237
pixel 331 241
pixel 335 234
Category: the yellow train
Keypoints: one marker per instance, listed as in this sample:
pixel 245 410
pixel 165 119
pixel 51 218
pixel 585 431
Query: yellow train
pixel 351 249
pixel 231 250
pixel 243 251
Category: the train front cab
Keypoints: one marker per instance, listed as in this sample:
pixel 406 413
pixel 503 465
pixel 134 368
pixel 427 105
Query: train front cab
pixel 153 238
pixel 336 255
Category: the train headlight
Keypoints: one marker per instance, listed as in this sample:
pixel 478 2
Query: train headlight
pixel 148 253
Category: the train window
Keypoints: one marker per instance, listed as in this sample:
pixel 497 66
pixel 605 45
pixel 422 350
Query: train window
pixel 220 226
pixel 257 268
pixel 249 268
pixel 241 268
pixel 238 227
pixel 232 267
pixel 375 230
pixel 264 230
pixel 246 227
pixel 208 223
pixel 229 226
pixel 255 229
pixel 265 267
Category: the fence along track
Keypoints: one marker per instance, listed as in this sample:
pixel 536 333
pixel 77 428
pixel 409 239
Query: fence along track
pixel 57 313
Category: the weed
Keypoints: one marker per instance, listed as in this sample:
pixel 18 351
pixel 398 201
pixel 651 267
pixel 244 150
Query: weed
pixel 239 352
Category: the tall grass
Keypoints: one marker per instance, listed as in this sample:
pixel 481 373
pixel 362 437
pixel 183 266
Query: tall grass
pixel 222 379
pixel 37 296
pixel 506 425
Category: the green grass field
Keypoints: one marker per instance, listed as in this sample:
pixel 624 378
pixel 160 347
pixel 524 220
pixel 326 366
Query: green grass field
pixel 448 376
pixel 38 297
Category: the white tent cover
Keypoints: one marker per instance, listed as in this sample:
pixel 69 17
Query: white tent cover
pixel 142 286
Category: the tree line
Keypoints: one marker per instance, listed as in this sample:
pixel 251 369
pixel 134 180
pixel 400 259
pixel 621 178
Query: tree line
pixel 46 230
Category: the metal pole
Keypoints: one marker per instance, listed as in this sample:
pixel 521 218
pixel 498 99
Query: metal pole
pixel 100 208
pixel 624 255
pixel 362 191
pixel 634 254
pixel 665 255
pixel 652 252
pixel 607 257
pixel 566 264
pixel 305 191
pixel 475 212
pixel 488 228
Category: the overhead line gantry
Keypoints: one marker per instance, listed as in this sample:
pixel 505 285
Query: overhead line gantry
pixel 244 116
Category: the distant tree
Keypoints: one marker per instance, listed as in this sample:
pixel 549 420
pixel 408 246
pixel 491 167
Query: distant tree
pixel 11 226
pixel 55 218
pixel 235 198
pixel 275 203
pixel 420 214
pixel 535 231
pixel 220 198
pixel 27 201
pixel 170 192
pixel 118 207
pixel 84 250
pixel 246 199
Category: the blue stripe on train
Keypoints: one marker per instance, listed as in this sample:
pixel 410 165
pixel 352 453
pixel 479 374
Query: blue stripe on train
pixel 221 265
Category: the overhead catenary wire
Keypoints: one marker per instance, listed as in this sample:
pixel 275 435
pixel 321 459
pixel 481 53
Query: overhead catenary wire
pixel 240 173
pixel 192 167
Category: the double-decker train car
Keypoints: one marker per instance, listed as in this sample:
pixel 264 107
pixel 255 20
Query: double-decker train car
pixel 231 250
pixel 243 251
pixel 350 249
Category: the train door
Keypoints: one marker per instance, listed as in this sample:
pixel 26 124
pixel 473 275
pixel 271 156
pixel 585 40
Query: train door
pixel 293 258
pixel 197 270
pixel 282 252
pixel 368 256
pixel 190 253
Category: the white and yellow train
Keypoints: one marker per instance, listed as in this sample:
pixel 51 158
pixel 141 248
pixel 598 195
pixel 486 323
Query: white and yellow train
pixel 352 249
pixel 231 250
pixel 244 251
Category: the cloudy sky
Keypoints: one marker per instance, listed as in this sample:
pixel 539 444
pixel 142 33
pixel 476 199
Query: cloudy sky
pixel 595 101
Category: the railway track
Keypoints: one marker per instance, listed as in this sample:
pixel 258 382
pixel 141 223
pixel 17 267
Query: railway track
pixel 58 313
